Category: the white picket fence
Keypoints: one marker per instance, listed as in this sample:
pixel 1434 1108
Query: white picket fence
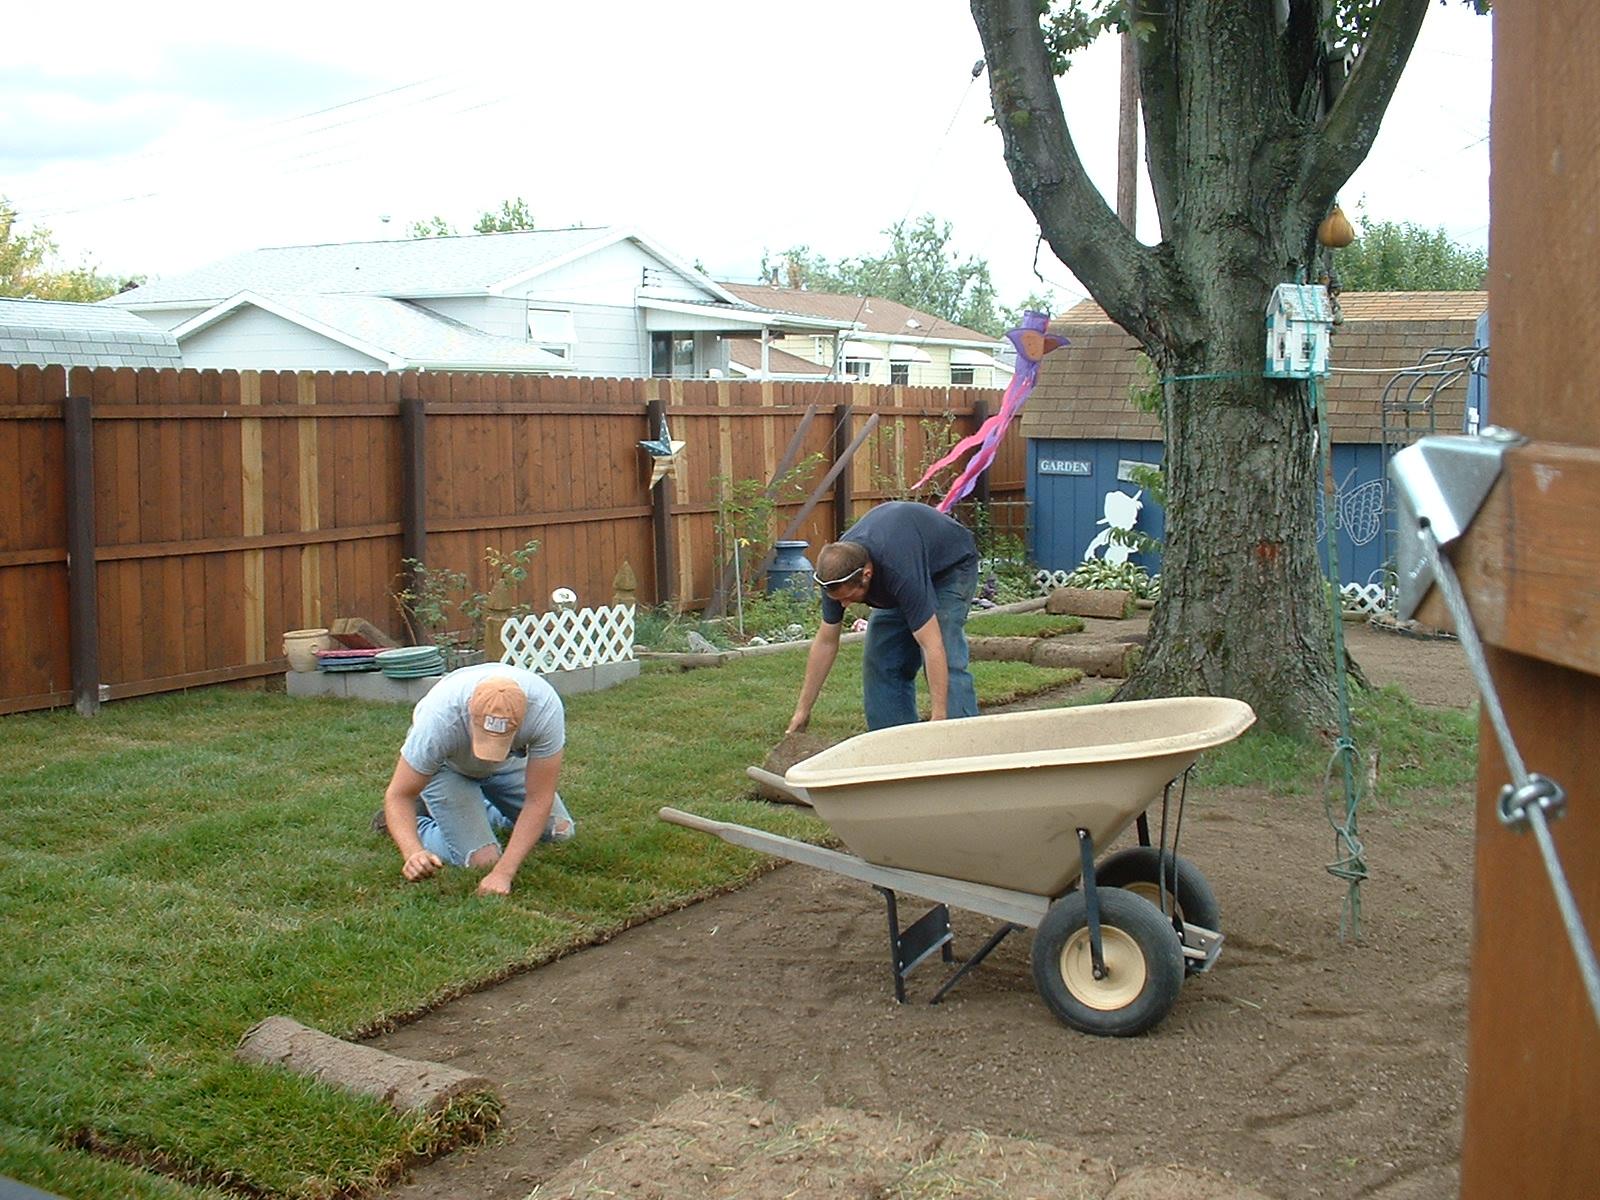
pixel 569 639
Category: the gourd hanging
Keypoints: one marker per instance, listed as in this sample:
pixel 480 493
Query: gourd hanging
pixel 1336 232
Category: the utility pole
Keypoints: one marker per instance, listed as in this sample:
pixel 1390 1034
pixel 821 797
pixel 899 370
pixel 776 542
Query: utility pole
pixel 1128 136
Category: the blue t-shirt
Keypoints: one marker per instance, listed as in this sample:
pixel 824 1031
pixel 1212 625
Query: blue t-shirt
pixel 910 545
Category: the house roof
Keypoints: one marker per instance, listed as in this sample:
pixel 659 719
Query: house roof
pixel 745 353
pixel 1083 389
pixel 40 332
pixel 475 264
pixel 874 316
pixel 399 334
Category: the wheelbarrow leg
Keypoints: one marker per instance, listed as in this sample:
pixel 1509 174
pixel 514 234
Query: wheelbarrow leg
pixel 1091 903
pixel 909 948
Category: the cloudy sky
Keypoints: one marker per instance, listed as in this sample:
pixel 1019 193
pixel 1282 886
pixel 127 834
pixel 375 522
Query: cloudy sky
pixel 153 139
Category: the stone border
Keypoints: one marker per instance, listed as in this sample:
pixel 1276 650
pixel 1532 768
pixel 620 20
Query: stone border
pixel 690 661
pixel 375 685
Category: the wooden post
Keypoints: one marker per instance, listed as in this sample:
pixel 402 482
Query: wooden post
pixel 1128 136
pixel 980 414
pixel 661 515
pixel 842 484
pixel 413 484
pixel 1533 1044
pixel 83 605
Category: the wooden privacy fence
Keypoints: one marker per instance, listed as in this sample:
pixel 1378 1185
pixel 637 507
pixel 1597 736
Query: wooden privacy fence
pixel 163 529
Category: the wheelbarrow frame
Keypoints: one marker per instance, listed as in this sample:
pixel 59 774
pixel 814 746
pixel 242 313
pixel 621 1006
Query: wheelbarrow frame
pixel 914 944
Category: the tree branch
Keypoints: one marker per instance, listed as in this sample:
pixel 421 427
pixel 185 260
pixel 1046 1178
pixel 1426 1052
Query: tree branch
pixel 1352 123
pixel 1074 217
pixel 1158 95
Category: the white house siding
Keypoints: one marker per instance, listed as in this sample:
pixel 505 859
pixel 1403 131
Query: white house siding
pixel 505 316
pixel 254 339
pixel 610 277
pixel 610 341
pixel 171 318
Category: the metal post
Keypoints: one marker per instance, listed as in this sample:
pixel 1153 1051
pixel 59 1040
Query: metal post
pixel 83 605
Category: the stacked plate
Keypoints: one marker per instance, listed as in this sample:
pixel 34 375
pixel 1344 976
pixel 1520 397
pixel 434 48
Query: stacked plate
pixel 337 661
pixel 411 662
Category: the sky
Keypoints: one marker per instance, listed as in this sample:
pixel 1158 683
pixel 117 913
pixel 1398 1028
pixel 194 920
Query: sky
pixel 151 140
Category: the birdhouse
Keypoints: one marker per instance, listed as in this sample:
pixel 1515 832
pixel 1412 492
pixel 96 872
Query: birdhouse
pixel 1299 320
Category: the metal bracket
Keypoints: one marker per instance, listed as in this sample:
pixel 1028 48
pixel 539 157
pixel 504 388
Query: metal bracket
pixel 1440 484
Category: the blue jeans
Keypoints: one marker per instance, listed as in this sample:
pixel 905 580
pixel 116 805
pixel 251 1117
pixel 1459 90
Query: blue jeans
pixel 464 815
pixel 892 658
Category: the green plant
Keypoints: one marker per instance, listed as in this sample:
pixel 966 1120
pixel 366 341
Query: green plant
pixel 1130 577
pixel 939 435
pixel 435 601
pixel 1005 574
pixel 746 509
pixel 783 616
pixel 665 630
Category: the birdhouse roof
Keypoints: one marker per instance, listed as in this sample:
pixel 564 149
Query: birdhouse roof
pixel 1301 302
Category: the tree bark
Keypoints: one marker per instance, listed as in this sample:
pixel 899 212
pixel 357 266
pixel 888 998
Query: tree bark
pixel 1245 155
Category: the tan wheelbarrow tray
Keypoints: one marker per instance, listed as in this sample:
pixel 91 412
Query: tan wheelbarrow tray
pixel 1003 815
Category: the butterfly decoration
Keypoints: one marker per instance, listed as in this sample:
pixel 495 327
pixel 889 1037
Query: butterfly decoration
pixel 664 452
pixel 1357 510
pixel 1032 343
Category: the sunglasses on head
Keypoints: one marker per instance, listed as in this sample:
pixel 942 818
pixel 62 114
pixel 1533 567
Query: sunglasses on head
pixel 830 584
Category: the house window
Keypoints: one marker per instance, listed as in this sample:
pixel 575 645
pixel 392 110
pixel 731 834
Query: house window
pixel 858 368
pixel 961 376
pixel 900 373
pixel 672 354
pixel 552 329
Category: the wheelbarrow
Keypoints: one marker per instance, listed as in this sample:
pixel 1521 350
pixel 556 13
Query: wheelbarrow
pixel 1004 815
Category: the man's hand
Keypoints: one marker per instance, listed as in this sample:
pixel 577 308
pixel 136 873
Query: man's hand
pixel 494 884
pixel 420 865
pixel 798 723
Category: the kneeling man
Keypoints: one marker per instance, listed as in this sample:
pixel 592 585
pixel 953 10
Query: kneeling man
pixel 482 758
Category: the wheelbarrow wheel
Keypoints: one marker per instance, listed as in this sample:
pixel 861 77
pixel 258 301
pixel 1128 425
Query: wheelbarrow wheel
pixel 1143 959
pixel 1136 870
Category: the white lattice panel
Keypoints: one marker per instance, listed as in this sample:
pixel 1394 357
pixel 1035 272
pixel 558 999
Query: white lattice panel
pixel 567 639
pixel 1047 581
pixel 1365 597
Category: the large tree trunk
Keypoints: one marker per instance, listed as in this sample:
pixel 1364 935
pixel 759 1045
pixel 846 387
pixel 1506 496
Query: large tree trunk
pixel 1245 157
pixel 1243 609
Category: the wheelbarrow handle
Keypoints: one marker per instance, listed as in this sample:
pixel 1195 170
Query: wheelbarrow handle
pixel 677 816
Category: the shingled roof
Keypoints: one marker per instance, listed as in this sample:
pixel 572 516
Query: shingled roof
pixel 1083 389
pixel 873 314
pixel 81 335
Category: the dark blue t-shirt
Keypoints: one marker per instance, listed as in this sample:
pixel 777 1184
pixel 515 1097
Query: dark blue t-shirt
pixel 910 545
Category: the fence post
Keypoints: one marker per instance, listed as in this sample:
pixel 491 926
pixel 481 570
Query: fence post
pixel 661 514
pixel 83 604
pixel 843 415
pixel 413 485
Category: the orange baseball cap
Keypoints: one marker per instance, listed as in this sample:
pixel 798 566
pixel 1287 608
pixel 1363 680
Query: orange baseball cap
pixel 497 707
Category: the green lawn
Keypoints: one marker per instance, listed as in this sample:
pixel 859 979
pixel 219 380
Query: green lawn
pixel 180 867
pixel 1023 624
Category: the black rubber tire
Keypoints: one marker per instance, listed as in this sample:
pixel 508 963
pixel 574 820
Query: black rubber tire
pixel 1197 904
pixel 1136 937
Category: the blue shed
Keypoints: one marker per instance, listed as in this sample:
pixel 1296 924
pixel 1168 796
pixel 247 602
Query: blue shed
pixel 1401 362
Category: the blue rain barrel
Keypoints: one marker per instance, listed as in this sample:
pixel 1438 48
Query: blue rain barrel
pixel 790 570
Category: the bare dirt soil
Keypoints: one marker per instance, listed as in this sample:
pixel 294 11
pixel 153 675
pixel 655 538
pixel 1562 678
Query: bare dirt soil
pixel 750 1045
